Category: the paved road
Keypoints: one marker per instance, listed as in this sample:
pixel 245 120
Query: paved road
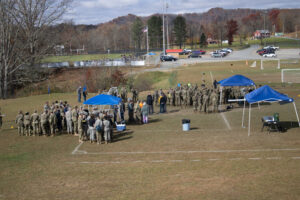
pixel 245 54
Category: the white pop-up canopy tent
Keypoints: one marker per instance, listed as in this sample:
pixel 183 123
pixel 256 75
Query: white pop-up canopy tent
pixel 266 94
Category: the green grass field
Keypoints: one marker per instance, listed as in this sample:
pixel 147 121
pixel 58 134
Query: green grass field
pixel 86 57
pixel 214 160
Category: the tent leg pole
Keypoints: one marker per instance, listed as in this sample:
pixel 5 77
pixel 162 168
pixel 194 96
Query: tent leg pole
pixel 296 113
pixel 243 117
pixel 221 98
pixel 249 121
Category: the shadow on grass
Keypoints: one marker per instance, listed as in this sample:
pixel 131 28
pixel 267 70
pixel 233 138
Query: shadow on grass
pixel 119 136
pixel 286 125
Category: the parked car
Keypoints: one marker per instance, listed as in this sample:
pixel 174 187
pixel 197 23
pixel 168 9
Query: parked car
pixel 185 52
pixel 216 55
pixel 202 52
pixel 270 55
pixel 227 49
pixel 272 47
pixel 167 58
pixel 195 54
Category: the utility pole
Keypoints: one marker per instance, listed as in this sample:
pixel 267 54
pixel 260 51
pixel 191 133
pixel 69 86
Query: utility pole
pixel 164 45
pixel 168 46
pixel 265 28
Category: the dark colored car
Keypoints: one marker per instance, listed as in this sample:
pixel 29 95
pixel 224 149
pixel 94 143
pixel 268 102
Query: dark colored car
pixel 195 55
pixel 167 58
pixel 201 52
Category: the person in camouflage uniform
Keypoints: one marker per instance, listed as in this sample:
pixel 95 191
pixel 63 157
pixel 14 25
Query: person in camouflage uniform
pixel 184 97
pixel 178 96
pixel 75 120
pixel 195 100
pixel 27 124
pixel 35 120
pixel 214 101
pixel 20 123
pixel 205 101
pixel 80 128
pixel 52 123
pixel 124 94
pixel 45 122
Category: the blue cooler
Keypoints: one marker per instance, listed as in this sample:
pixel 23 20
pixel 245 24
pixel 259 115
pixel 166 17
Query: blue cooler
pixel 121 127
pixel 186 124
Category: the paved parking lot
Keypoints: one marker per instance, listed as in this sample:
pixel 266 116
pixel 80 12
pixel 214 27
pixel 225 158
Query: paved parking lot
pixel 245 54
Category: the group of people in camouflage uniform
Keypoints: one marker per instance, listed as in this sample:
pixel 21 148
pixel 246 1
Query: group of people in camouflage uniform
pixel 59 117
pixel 205 98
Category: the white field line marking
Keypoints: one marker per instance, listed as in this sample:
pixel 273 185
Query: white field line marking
pixel 176 161
pixel 213 159
pixel 181 152
pixel 235 159
pixel 273 158
pixel 226 121
pixel 77 148
pixel 254 158
pixel 296 158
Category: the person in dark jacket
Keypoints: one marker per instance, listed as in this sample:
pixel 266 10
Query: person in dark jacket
pixel 162 103
pixel 150 104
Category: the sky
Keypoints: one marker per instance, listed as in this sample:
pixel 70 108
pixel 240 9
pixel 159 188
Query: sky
pixel 100 11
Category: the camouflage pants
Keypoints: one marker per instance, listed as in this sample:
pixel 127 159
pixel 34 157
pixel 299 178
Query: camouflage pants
pixel 27 129
pixel 52 129
pixel 80 132
pixel 35 127
pixel 44 129
pixel 205 106
pixel 75 125
pixel 178 102
pixel 195 104
pixel 21 130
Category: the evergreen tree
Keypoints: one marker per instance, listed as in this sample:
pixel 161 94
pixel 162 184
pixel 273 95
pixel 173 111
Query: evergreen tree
pixel 137 32
pixel 180 30
pixel 203 42
pixel 155 31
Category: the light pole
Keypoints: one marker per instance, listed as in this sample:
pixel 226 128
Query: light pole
pixel 167 6
pixel 164 45
pixel 265 28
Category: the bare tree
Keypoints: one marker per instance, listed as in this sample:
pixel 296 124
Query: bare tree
pixel 25 27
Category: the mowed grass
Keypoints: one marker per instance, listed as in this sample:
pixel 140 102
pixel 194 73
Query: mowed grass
pixel 86 57
pixel 159 160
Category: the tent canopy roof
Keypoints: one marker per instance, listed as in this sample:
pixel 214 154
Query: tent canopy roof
pixel 103 99
pixel 236 80
pixel 266 94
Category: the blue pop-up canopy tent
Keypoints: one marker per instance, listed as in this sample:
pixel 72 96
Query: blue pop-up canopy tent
pixel 236 80
pixel 103 99
pixel 267 94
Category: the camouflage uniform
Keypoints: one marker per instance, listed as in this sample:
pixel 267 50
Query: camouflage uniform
pixel 214 101
pixel 75 120
pixel 27 124
pixel 45 122
pixel 184 97
pixel 52 123
pixel 195 100
pixel 178 97
pixel 35 120
pixel 205 101
pixel 20 123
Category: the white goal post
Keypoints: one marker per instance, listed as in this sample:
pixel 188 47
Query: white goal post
pixel 287 75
